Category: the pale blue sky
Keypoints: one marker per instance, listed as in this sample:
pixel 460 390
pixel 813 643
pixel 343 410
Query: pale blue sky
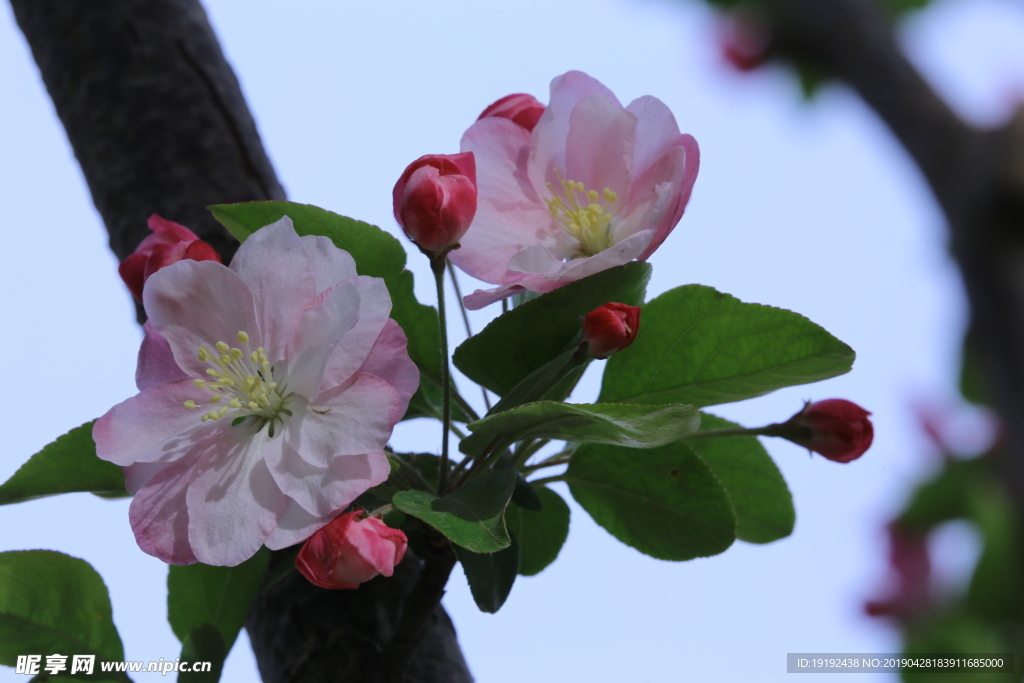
pixel 807 207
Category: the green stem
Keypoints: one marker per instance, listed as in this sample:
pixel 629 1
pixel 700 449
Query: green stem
pixel 413 475
pixel 477 462
pixel 465 321
pixel 767 430
pixel 437 265
pixel 527 450
pixel 547 480
pixel 550 462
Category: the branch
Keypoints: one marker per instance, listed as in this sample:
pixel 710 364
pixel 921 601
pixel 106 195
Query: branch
pixel 158 123
pixel 977 177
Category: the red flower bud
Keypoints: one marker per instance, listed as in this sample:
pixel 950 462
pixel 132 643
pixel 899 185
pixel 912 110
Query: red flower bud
pixel 350 551
pixel 744 41
pixel 610 328
pixel 518 108
pixel 435 200
pixel 836 428
pixel 169 243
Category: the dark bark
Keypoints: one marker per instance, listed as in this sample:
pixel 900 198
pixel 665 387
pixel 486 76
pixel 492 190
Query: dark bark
pixel 159 124
pixel 389 630
pixel 977 177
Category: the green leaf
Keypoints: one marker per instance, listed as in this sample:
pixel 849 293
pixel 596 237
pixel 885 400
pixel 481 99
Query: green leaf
pixel 199 594
pixel 490 575
pixel 633 426
pixel 552 381
pixel 947 496
pixel 203 644
pixel 995 591
pixel 524 495
pixel 519 342
pixel 68 465
pixel 470 516
pixel 702 347
pixel 665 502
pixel 51 603
pixel 898 7
pixel 542 533
pixel 973 383
pixel 376 254
pixel 760 498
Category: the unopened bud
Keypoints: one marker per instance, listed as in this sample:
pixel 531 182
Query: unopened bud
pixel 610 328
pixel 435 200
pixel 836 428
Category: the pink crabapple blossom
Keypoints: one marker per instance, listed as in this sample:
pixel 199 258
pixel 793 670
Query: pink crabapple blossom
pixel 350 551
pixel 170 242
pixel 435 199
pixel 268 391
pixel 592 186
pixel 519 108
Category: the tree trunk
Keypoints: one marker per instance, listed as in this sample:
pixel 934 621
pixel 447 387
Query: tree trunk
pixel 977 177
pixel 158 123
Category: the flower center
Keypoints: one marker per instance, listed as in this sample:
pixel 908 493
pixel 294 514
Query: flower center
pixel 581 214
pixel 242 385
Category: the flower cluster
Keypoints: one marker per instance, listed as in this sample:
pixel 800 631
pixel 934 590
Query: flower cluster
pixel 268 391
pixel 572 189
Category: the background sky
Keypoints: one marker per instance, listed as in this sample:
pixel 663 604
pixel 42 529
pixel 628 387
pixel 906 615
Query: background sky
pixel 811 207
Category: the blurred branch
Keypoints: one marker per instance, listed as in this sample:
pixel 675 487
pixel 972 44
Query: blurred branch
pixel 159 124
pixel 977 177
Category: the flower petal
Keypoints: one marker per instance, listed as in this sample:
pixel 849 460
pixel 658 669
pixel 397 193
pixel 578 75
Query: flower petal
pixel 656 132
pixel 509 214
pixel 548 148
pixel 484 297
pixel 136 476
pixel 198 303
pixel 599 147
pixel 679 167
pixel 315 336
pixel 159 514
pixel 534 259
pixel 296 525
pixel 349 420
pixel 153 426
pixel 355 346
pixel 328 264
pixel 274 263
pixel 156 360
pixel 321 490
pixel 389 360
pixel 233 501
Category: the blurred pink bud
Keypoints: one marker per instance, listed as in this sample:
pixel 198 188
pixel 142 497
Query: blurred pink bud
pixel 744 41
pixel 169 243
pixel 909 590
pixel 350 551
pixel 518 108
pixel 836 428
pixel 435 200
pixel 610 328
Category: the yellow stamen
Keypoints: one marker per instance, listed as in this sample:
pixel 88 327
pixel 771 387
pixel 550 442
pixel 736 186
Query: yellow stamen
pixel 580 214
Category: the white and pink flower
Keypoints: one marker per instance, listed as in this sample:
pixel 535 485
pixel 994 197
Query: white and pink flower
pixel 593 185
pixel 268 391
